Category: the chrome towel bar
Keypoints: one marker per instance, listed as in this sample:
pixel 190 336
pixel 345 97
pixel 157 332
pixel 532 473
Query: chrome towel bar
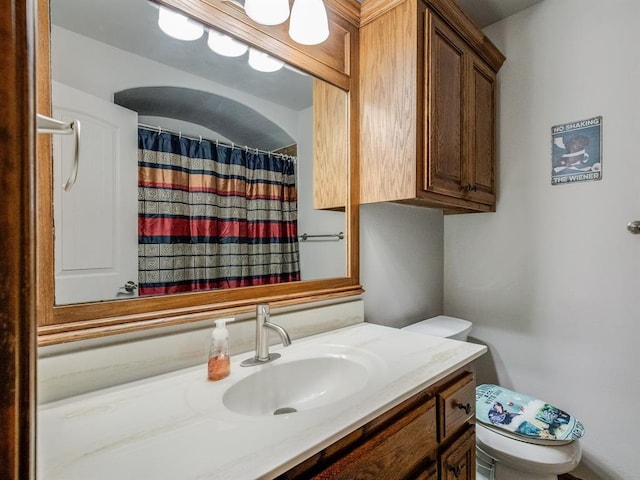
pixel 334 236
pixel 49 125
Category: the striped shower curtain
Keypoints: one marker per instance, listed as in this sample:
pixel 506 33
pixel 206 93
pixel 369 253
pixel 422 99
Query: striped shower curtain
pixel 212 216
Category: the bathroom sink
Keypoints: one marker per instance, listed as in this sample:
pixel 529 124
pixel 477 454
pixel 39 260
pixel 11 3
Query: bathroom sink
pixel 298 385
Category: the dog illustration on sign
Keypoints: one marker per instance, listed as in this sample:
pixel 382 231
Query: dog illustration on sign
pixel 576 150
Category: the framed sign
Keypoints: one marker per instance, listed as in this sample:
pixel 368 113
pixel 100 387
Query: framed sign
pixel 576 151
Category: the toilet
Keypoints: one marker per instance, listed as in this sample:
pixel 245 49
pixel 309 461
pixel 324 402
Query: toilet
pixel 502 455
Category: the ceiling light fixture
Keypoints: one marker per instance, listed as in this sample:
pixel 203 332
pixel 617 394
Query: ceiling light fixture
pixel 178 26
pixel 308 24
pixel 303 29
pixel 267 12
pixel 262 62
pixel 225 45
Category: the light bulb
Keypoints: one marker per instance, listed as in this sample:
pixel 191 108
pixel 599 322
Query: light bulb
pixel 267 12
pixel 224 45
pixel 178 26
pixel 308 24
pixel 262 62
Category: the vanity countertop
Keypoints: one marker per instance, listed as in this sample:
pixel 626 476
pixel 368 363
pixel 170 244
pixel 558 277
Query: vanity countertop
pixel 175 426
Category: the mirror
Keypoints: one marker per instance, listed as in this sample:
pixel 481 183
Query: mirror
pixel 106 50
pixel 120 55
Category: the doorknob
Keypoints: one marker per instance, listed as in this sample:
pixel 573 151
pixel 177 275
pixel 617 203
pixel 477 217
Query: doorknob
pixel 634 227
pixel 130 286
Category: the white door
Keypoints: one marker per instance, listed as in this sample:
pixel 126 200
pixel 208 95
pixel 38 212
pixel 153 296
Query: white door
pixel 96 244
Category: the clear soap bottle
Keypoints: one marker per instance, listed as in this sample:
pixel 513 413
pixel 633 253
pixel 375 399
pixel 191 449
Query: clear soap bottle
pixel 219 365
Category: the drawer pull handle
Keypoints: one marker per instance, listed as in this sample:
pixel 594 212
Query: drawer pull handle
pixel 466 408
pixel 456 470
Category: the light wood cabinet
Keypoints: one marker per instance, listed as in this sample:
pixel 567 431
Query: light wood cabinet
pixel 427 106
pixel 429 436
pixel 331 143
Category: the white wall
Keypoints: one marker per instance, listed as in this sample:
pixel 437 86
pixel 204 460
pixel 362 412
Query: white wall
pixel 401 257
pixel 551 281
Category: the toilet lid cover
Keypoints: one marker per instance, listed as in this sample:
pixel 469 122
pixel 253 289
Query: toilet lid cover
pixel 526 417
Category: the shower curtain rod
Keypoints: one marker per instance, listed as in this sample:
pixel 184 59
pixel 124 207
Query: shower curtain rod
pixel 160 129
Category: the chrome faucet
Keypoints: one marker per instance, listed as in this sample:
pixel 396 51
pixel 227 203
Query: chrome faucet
pixel 262 355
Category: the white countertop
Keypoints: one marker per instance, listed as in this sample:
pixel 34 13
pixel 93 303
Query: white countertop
pixel 175 426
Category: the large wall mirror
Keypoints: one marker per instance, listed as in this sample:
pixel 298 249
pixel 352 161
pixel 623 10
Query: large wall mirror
pixel 204 182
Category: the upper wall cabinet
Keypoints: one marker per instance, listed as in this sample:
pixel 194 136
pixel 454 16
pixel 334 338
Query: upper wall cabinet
pixel 427 106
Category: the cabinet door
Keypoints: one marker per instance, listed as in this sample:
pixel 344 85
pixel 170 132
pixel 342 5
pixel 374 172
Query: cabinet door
pixel 482 130
pixel 444 170
pixel 458 462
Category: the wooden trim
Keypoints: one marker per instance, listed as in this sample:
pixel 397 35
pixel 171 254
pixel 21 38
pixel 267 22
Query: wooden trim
pixel 436 200
pixel 82 321
pixel 325 61
pixel 44 171
pixel 452 14
pixel 347 9
pixel 17 268
pixel 467 29
pixel 100 327
pixel 372 9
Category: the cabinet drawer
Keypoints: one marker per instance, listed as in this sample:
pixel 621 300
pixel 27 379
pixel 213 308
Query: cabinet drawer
pixel 404 449
pixel 457 405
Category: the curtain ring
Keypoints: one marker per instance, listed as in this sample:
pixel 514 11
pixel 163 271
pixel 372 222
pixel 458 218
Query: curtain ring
pixel 200 141
pixel 159 129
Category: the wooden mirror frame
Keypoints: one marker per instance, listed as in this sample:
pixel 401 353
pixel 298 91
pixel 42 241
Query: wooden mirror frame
pixel 334 61
pixel 17 241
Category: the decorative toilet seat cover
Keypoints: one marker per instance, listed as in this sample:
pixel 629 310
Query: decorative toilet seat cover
pixel 524 417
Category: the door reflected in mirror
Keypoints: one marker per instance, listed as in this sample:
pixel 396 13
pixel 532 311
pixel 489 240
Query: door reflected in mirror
pixel 196 170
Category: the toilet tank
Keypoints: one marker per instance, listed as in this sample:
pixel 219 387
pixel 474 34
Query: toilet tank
pixel 442 326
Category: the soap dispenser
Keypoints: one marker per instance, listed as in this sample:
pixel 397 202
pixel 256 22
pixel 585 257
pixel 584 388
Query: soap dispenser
pixel 219 365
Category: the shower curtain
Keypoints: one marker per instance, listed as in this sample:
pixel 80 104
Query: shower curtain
pixel 211 216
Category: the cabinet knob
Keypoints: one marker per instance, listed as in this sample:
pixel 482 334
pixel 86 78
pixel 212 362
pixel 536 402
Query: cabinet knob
pixel 466 408
pixel 456 470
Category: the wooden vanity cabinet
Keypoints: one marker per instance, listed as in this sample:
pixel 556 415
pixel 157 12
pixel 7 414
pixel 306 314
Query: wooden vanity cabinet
pixel 430 436
pixel 427 106
pixel 458 462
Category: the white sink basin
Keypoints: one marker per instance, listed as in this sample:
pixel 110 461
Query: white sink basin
pixel 298 385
